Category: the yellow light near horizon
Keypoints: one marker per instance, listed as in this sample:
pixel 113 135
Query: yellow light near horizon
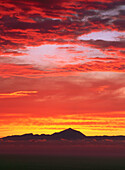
pixel 89 126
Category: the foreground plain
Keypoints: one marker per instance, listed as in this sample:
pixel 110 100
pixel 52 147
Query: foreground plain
pixel 62 155
pixel 28 162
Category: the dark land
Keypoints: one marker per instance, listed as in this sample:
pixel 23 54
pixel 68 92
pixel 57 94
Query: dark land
pixel 19 162
pixel 68 149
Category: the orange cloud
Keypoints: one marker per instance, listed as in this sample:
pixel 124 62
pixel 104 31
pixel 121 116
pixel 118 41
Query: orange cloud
pixel 17 94
pixel 22 70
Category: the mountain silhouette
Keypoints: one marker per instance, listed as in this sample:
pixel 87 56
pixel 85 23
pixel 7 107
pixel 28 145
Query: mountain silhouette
pixel 68 134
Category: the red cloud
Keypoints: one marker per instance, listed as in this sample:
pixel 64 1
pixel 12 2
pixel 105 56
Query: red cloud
pixel 29 23
pixel 96 66
pixel 104 59
pixel 8 70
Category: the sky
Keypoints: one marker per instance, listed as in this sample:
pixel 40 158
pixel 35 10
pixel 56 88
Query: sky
pixel 62 65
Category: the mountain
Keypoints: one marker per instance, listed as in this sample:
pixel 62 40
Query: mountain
pixel 69 134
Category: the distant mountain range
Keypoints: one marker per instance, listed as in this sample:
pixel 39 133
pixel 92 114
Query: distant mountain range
pixel 67 134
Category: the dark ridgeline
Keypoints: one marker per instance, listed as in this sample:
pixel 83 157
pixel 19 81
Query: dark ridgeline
pixel 68 134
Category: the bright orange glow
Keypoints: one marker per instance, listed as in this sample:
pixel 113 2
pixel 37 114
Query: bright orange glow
pixel 17 94
pixel 89 125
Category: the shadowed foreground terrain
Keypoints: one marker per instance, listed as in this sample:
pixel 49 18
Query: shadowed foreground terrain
pixel 23 162
pixel 67 150
pixel 62 155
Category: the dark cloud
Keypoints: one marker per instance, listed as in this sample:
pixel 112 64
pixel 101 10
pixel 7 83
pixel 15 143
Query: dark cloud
pixel 59 19
pixel 104 45
pixel 119 24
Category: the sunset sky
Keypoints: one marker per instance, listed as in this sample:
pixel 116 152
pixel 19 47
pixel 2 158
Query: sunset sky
pixel 62 64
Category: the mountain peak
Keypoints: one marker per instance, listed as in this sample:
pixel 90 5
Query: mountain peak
pixel 69 134
pixel 69 129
